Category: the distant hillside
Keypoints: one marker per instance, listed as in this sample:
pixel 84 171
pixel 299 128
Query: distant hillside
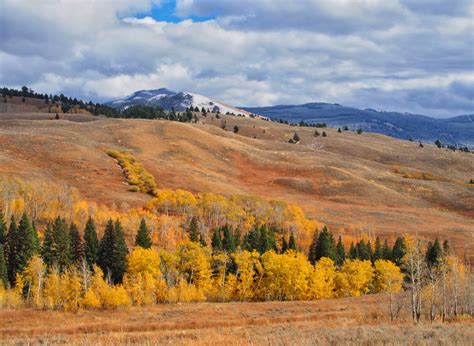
pixel 457 131
pixel 168 100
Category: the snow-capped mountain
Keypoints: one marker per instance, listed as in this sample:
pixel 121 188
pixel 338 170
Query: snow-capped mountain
pixel 168 99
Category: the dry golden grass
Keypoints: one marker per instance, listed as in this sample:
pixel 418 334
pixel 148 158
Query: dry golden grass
pixel 352 320
pixel 345 180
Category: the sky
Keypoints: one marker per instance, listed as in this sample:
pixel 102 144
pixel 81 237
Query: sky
pixel 412 56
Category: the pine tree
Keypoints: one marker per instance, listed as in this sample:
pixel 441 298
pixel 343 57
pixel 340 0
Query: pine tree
pixel 363 250
pixel 353 253
pixel 398 251
pixel 238 238
pixel 252 239
pixel 77 246
pixel 292 242
pixel 284 245
pixel 386 251
pixel 216 241
pixel 91 243
pixel 378 252
pixel 193 231
pixel 3 268
pixel 143 238
pixel 326 246
pixel 263 240
pixel 49 248
pixel 271 239
pixel 13 239
pixel 106 249
pixel 3 228
pixel 434 254
pixel 62 241
pixel 369 250
pixel 312 247
pixel 228 241
pixel 28 244
pixel 120 253
pixel 340 251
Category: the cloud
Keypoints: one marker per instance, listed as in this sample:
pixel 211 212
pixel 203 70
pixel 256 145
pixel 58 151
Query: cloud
pixel 412 56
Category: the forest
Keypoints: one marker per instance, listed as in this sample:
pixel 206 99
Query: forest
pixel 52 263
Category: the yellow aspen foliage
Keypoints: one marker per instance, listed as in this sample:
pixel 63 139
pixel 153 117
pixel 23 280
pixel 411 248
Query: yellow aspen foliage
pixel 33 277
pixel 110 297
pixel 52 289
pixel 91 300
pixel 185 292
pixel 71 289
pixel 143 278
pixel 11 298
pixel 248 265
pixel 388 277
pixel 194 265
pixel 354 278
pixel 285 276
pixel 322 282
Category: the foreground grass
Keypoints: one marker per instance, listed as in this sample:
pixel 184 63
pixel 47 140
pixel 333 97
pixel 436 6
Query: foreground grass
pixel 344 321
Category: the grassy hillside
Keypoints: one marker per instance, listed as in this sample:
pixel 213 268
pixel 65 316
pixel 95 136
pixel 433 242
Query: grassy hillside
pixel 366 183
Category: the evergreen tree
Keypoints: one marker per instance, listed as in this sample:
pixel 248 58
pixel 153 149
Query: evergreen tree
pixel 326 246
pixel 296 138
pixel 292 242
pixel 13 239
pixel 28 244
pixel 3 228
pixel 363 250
pixel 398 251
pixel 284 245
pixel 434 254
pixel 62 242
pixel 77 246
pixel 353 253
pixel 228 241
pixel 446 251
pixel 369 250
pixel 216 241
pixel 340 251
pixel 386 251
pixel 263 245
pixel 271 239
pixel 3 268
pixel 238 238
pixel 120 253
pixel 312 247
pixel 106 249
pixel 49 248
pixel 193 231
pixel 143 238
pixel 252 239
pixel 378 252
pixel 91 243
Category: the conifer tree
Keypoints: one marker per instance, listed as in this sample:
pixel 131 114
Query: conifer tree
pixel 434 254
pixel 77 246
pixel 193 231
pixel 216 241
pixel 446 250
pixel 238 238
pixel 91 243
pixel 48 250
pixel 386 251
pixel 398 251
pixel 106 249
pixel 3 228
pixel 228 241
pixel 252 239
pixel 271 239
pixel 13 239
pixel 62 242
pixel 353 253
pixel 312 247
pixel 3 268
pixel 143 238
pixel 340 251
pixel 326 246
pixel 284 245
pixel 28 244
pixel 292 242
pixel 378 252
pixel 370 250
pixel 120 253
pixel 263 245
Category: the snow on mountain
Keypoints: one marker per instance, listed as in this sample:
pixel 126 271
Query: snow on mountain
pixel 168 99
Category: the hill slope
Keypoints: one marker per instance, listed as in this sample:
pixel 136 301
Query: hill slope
pixel 456 131
pixel 351 182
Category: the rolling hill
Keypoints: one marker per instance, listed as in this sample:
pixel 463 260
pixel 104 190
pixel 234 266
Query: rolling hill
pixel 456 131
pixel 354 183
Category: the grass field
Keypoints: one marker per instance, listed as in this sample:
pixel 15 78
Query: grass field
pixel 360 320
